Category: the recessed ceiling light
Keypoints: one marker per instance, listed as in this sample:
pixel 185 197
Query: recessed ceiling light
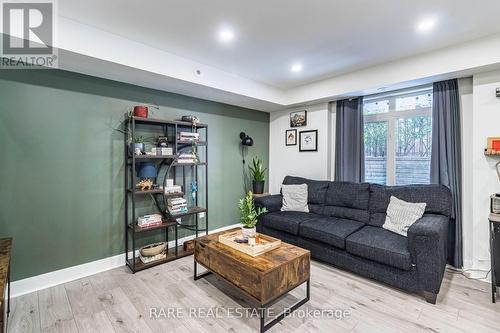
pixel 226 35
pixel 296 68
pixel 426 25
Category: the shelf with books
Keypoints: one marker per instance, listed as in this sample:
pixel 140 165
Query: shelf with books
pixel 141 120
pixel 189 142
pixel 190 211
pixel 152 157
pixel 164 224
pixel 139 191
pixel 157 191
pixel 189 164
pixel 196 143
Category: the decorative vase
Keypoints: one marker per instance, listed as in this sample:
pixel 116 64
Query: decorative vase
pixel 258 186
pixel 141 111
pixel 248 232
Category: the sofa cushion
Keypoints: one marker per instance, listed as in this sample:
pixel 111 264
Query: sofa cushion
pixel 348 201
pixel 286 221
pixel 294 198
pixel 329 230
pixel 316 191
pixel 401 215
pixel 436 197
pixel 380 245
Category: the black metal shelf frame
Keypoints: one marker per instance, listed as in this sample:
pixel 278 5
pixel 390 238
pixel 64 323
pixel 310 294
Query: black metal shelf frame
pixel 131 229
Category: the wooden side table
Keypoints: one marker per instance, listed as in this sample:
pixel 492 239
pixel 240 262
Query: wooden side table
pixel 494 252
pixel 5 254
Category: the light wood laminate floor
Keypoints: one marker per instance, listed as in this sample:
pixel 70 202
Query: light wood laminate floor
pixel 118 301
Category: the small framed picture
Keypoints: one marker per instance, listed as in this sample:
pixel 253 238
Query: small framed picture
pixel 291 137
pixel 308 140
pixel 298 119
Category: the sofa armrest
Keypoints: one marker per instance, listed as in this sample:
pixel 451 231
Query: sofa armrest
pixel 271 202
pixel 427 243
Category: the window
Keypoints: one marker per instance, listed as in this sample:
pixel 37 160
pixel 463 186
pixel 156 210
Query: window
pixel 398 137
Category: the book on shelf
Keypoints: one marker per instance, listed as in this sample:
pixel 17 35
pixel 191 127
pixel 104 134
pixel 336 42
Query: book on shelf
pixel 187 158
pixel 188 136
pixel 176 200
pixel 149 220
pixel 177 205
pixel 178 211
pixel 149 225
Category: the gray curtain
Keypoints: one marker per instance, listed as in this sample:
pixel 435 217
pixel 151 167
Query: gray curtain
pixel 349 145
pixel 446 158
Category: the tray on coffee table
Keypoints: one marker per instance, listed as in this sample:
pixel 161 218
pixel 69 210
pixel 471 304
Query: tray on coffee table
pixel 263 243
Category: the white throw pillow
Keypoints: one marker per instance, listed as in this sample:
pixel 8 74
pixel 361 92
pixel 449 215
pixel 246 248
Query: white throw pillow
pixel 294 198
pixel 401 215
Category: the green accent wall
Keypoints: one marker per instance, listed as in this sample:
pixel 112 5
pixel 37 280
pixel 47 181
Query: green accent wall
pixel 62 165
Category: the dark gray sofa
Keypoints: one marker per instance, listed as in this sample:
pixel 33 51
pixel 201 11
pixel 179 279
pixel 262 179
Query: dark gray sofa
pixel 344 228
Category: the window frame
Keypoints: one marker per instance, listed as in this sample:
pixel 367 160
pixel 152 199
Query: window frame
pixel 391 117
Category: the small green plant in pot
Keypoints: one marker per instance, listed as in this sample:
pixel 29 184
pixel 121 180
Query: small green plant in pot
pixel 258 175
pixel 249 215
pixel 137 146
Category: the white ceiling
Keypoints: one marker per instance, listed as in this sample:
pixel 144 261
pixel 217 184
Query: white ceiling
pixel 330 37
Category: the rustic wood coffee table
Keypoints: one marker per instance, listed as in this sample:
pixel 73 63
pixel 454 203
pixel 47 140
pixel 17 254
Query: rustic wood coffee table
pixel 263 279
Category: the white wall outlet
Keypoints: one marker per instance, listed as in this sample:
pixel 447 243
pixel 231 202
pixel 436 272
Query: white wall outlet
pixel 201 215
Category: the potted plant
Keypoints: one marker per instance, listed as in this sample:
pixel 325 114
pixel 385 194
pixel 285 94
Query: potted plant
pixel 137 144
pixel 258 174
pixel 249 215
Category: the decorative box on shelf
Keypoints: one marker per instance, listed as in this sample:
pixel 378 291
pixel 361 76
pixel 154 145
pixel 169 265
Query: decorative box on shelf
pixel 162 151
pixel 493 146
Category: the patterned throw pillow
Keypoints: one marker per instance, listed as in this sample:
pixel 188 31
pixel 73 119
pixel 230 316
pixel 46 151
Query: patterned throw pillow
pixel 401 215
pixel 294 198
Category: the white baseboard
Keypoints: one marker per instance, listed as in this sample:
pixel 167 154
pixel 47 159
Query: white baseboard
pixel 42 281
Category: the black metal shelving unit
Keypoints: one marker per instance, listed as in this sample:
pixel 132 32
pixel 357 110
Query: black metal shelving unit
pixel 168 127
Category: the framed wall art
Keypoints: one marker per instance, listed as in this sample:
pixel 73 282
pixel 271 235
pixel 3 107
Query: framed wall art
pixel 298 118
pixel 291 137
pixel 308 140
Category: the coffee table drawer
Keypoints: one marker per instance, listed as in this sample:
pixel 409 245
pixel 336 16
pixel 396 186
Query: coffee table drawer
pixel 232 270
pixel 285 278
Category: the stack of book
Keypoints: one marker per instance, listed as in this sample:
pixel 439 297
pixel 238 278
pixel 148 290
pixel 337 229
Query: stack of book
pixel 148 221
pixel 177 205
pixel 188 136
pixel 187 158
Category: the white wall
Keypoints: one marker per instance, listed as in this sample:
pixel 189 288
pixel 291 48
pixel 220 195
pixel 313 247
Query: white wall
pixel 287 160
pixel 485 122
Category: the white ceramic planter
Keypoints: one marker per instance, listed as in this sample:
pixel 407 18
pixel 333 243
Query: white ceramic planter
pixel 248 232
